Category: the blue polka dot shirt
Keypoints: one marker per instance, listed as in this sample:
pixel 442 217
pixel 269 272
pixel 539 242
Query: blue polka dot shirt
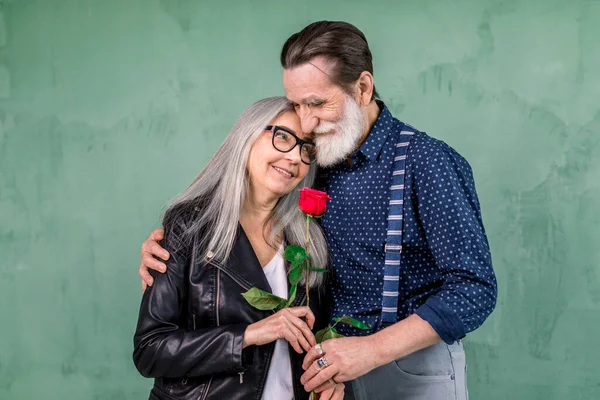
pixel 446 274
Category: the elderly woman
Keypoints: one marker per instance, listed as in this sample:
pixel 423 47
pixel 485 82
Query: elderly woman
pixel 196 334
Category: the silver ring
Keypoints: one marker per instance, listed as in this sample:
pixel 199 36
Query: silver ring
pixel 322 363
pixel 319 349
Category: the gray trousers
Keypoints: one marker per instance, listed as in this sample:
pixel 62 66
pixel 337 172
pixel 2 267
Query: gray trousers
pixel 435 373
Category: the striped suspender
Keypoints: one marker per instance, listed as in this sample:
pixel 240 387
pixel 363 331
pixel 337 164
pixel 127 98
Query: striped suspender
pixel 393 246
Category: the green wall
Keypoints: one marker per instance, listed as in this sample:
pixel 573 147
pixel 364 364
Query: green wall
pixel 109 108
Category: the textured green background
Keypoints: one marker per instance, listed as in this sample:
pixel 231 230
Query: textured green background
pixel 109 108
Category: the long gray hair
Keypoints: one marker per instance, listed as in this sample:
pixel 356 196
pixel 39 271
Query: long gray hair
pixel 207 214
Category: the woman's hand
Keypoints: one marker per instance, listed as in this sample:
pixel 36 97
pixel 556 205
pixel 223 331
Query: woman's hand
pixel 285 324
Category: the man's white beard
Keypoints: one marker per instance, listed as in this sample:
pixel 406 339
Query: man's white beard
pixel 347 132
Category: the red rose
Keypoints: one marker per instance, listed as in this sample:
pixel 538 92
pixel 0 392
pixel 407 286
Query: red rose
pixel 313 202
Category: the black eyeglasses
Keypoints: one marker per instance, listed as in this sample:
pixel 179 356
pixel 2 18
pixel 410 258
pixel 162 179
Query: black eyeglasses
pixel 285 140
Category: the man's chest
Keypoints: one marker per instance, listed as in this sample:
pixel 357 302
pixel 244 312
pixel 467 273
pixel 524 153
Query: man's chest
pixel 358 210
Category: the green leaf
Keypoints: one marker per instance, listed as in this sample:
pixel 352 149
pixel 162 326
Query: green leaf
pixel 263 300
pixel 312 396
pixel 296 255
pixel 327 333
pixel 295 275
pixel 351 321
pixel 331 334
pixel 320 333
pixel 292 295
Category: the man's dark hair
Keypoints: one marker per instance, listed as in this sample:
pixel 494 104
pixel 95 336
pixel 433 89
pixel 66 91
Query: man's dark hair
pixel 340 43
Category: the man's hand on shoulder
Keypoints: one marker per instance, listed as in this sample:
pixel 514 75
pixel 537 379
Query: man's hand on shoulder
pixel 151 252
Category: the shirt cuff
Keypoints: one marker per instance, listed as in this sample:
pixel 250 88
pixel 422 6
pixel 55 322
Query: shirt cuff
pixel 442 319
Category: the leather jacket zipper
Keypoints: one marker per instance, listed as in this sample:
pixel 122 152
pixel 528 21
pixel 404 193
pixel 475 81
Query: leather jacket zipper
pixel 244 286
pixel 299 299
pixel 218 295
pixel 295 303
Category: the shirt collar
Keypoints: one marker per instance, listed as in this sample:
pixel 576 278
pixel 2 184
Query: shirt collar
pixel 371 148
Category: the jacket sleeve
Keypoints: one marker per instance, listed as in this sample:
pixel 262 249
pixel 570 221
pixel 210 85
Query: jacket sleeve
pixel 163 347
pixel 449 212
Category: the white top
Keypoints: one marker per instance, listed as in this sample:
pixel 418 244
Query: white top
pixel 279 378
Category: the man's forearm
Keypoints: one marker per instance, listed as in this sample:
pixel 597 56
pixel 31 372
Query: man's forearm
pixel 403 338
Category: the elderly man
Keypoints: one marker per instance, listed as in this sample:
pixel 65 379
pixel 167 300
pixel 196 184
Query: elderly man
pixel 409 251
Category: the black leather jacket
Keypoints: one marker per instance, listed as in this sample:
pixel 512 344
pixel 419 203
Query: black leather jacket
pixel 191 327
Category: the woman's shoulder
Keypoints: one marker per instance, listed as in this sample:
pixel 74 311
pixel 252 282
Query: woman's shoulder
pixel 178 223
pixel 182 215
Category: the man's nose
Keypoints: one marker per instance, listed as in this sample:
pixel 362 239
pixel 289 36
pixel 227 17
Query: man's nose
pixel 307 119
